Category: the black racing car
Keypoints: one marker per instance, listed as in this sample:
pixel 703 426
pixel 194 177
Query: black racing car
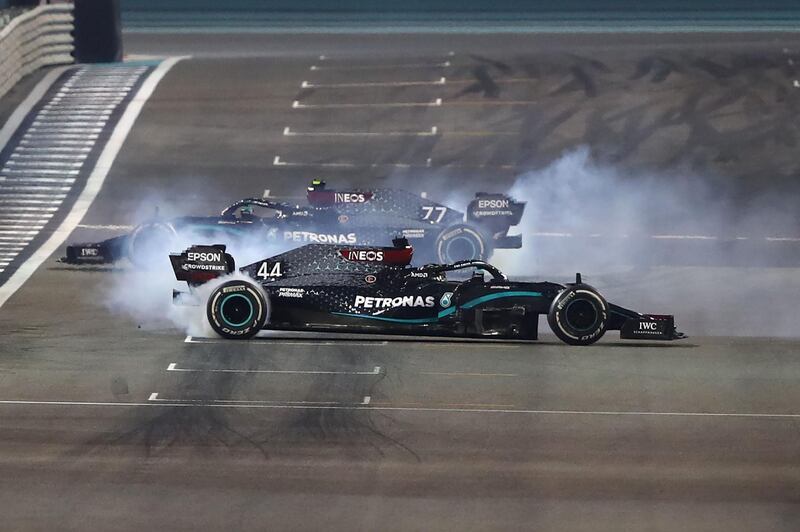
pixel 374 289
pixel 362 217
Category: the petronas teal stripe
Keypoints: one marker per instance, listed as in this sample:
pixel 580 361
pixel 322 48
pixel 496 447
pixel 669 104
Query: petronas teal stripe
pixel 499 295
pixel 446 312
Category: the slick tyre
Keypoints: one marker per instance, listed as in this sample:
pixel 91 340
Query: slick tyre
pixel 150 244
pixel 237 310
pixel 578 315
pixel 461 242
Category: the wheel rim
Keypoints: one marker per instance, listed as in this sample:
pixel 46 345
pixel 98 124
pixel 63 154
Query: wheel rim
pixel 460 248
pixel 236 310
pixel 150 243
pixel 581 315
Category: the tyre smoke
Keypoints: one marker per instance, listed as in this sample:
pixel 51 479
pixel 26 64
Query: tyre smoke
pixel 678 243
pixel 703 249
pixel 145 293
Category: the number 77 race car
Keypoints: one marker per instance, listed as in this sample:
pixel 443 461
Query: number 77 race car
pixel 365 217
pixel 375 290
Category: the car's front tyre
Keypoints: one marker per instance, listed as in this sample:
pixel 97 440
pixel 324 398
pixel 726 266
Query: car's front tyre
pixel 237 310
pixel 578 315
pixel 149 245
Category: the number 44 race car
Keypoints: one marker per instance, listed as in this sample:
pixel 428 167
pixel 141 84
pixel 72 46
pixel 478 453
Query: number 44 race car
pixel 375 290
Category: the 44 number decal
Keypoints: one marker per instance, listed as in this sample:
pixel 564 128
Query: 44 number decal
pixel 269 271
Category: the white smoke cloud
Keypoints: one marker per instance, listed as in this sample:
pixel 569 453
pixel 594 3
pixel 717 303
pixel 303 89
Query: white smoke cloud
pixel 611 216
pixel 586 217
pixel 145 294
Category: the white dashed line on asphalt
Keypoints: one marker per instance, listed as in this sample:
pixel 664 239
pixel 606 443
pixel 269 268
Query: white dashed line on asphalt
pixel 297 105
pixel 268 341
pixel 782 239
pixel 432 132
pixel 257 402
pixel 429 163
pixel 381 66
pixel 308 85
pixel 277 161
pixel 460 374
pixel 174 367
pixel 492 103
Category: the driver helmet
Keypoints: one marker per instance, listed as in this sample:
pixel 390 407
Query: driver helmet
pixel 316 184
pixel 246 213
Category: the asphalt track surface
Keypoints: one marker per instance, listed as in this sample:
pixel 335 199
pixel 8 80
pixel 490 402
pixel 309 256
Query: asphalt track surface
pixel 115 423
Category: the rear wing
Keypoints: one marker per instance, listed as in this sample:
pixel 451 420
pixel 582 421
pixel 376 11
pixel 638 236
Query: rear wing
pixel 497 213
pixel 200 264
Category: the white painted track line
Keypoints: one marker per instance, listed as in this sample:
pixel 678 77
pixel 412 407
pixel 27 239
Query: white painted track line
pixel 374 371
pixel 297 105
pixel 77 156
pixel 11 172
pixel 268 341
pixel 307 85
pixel 27 179
pixel 34 227
pixel 106 227
pixel 477 133
pixel 434 131
pixel 155 398
pixel 65 138
pixel 384 66
pixel 277 161
pixel 782 239
pixel 19 199
pixel 93 184
pixel 12 163
pixel 287 132
pixel 492 103
pixel 27 104
pixel 59 144
pixel 169 403
pixel 445 405
pixel 39 208
pixel 459 374
pixel 16 217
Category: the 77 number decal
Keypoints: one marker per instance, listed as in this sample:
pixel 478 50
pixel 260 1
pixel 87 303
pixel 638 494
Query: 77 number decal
pixel 433 214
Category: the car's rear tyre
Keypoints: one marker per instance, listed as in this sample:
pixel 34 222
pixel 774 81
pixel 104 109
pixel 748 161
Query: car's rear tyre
pixel 578 315
pixel 149 245
pixel 461 242
pixel 237 310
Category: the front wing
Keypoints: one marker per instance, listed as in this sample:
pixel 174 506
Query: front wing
pixel 635 326
pixel 104 252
